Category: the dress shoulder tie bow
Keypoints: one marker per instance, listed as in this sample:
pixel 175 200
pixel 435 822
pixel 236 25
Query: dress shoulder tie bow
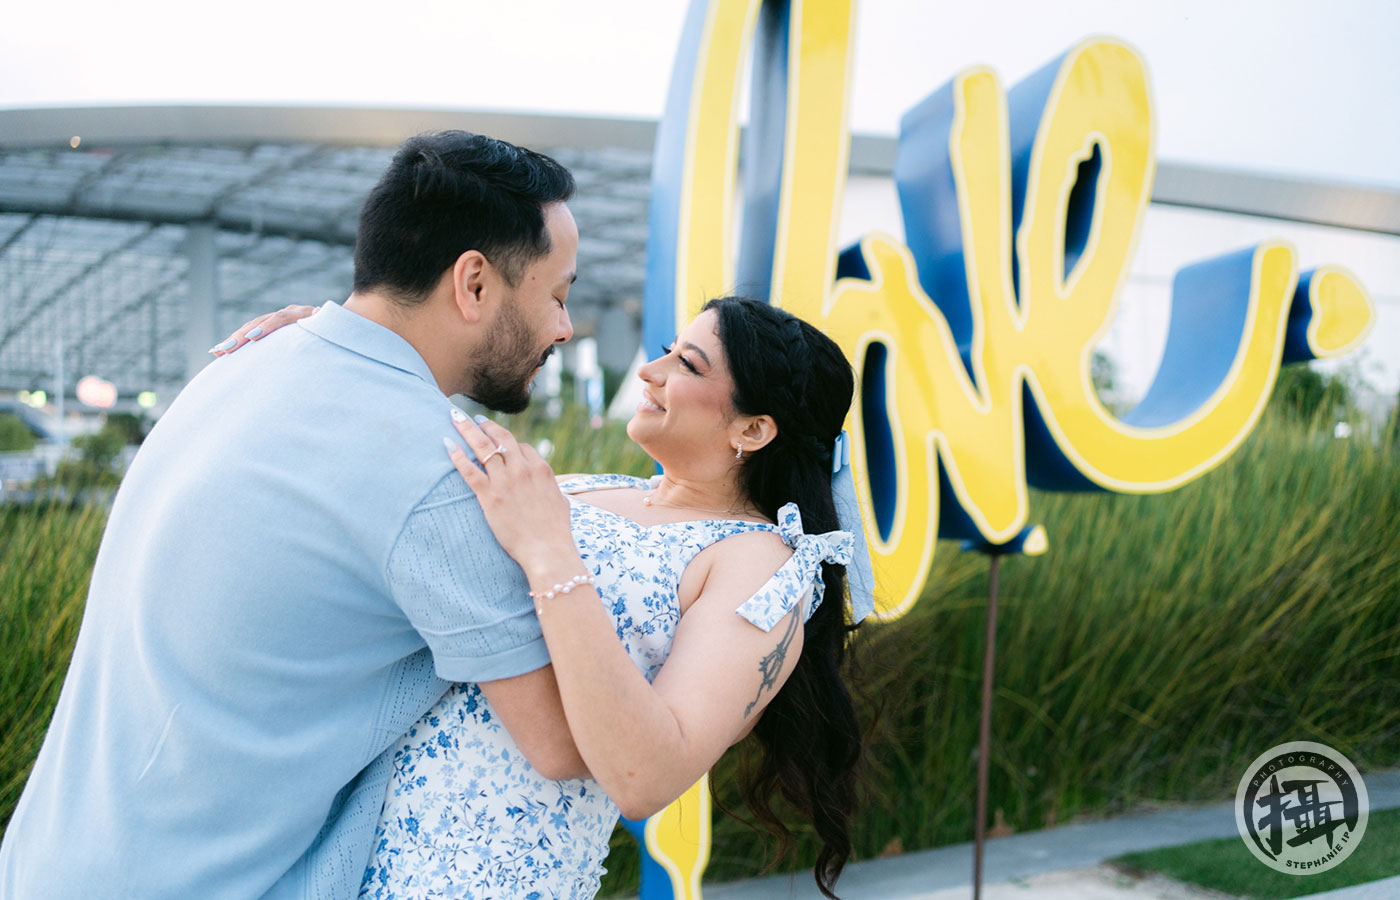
pixel 801 576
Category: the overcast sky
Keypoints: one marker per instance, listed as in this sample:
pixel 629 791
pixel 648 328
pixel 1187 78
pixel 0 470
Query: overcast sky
pixel 1308 87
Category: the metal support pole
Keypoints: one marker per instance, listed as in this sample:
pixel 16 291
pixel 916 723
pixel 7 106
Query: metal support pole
pixel 201 328
pixel 58 390
pixel 984 739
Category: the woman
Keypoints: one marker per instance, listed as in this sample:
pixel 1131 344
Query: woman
pixel 637 584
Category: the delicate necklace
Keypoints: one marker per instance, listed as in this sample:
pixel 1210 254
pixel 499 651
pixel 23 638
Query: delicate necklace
pixel 648 499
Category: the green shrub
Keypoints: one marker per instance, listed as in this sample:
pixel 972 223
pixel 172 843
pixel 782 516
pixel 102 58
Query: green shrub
pixel 94 464
pixel 15 435
pixel 1307 393
pixel 130 426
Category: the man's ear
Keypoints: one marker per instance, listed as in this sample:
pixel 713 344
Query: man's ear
pixel 469 276
pixel 756 431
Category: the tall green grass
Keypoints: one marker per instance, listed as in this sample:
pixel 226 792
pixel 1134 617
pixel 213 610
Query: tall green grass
pixel 1161 644
pixel 578 447
pixel 46 556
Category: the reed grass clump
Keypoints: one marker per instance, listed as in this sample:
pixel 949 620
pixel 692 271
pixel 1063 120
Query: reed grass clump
pixel 577 447
pixel 46 556
pixel 1162 644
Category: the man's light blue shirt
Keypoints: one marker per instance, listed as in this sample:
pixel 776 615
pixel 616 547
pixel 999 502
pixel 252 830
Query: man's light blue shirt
pixel 290 570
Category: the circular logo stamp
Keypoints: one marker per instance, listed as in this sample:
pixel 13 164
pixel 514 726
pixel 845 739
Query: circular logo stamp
pixel 1301 808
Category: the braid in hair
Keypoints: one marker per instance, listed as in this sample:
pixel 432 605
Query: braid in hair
pixel 809 738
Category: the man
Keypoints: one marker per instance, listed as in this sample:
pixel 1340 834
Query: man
pixel 292 566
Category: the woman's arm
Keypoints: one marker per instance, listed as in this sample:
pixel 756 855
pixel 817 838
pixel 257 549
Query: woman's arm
pixel 529 707
pixel 644 743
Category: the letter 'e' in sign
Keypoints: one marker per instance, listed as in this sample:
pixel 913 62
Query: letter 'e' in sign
pixel 972 341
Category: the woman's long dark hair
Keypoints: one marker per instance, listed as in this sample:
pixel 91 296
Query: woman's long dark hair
pixel 810 741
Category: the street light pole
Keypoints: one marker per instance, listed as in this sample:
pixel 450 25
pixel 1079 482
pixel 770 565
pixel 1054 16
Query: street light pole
pixel 58 390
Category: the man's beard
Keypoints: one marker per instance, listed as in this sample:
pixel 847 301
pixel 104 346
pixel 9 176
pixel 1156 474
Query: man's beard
pixel 500 375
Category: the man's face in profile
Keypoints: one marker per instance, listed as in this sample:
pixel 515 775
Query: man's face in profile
pixel 532 318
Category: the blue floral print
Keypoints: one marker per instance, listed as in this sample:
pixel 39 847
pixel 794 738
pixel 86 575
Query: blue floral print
pixel 466 815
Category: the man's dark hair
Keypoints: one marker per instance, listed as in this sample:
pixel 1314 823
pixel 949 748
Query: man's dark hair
pixel 447 193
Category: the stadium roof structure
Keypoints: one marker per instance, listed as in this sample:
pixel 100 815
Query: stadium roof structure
pixel 133 238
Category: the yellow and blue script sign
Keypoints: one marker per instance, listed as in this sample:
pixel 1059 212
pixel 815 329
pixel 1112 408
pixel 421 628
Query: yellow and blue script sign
pixel 973 339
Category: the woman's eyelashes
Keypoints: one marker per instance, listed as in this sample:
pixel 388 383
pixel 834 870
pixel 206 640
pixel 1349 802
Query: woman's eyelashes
pixel 668 349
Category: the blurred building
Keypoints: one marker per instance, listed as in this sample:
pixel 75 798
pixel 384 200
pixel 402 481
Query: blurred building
pixel 133 239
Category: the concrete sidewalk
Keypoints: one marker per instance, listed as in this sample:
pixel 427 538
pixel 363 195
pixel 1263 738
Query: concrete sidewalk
pixel 1385 889
pixel 1012 864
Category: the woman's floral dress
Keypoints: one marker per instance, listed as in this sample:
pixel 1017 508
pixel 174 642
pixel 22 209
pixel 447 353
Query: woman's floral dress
pixel 466 815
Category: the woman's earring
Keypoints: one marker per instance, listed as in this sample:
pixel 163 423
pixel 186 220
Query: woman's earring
pixel 739 451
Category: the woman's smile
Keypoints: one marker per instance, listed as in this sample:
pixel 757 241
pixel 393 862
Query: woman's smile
pixel 647 404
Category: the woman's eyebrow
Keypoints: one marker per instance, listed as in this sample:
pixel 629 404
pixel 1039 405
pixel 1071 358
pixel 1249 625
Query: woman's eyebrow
pixel 703 355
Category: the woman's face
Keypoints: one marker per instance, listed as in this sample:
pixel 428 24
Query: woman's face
pixel 687 407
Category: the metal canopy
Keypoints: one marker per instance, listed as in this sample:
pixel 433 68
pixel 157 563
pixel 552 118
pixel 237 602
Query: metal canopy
pixel 102 243
pixel 93 258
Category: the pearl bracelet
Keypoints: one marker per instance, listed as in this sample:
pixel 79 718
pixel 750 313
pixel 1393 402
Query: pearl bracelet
pixel 564 588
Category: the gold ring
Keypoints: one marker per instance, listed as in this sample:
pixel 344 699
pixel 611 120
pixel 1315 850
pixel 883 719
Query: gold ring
pixel 499 450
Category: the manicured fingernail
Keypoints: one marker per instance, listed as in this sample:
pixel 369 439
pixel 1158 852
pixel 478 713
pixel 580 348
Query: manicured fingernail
pixel 226 345
pixel 447 442
pixel 254 333
pixel 480 419
pixel 458 415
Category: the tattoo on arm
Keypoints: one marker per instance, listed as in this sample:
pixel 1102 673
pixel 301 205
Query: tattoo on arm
pixel 771 666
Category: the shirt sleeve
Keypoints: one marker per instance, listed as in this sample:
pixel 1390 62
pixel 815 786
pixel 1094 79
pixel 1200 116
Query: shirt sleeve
pixel 462 592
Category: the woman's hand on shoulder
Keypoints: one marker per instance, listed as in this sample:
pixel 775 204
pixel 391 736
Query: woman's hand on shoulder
pixel 261 327
pixel 517 491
